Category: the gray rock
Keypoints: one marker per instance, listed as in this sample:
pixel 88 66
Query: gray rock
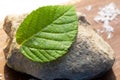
pixel 88 57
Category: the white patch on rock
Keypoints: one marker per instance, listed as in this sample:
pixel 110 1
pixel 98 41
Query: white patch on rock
pixel 80 14
pixel 105 15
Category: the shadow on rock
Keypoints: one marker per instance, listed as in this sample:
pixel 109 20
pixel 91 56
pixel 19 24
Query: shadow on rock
pixel 10 74
pixel 108 76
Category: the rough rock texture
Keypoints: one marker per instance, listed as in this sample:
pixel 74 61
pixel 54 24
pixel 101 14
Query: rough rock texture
pixel 88 57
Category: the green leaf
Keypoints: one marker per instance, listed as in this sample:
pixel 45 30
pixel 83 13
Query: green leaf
pixel 47 33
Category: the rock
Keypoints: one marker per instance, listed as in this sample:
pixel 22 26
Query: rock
pixel 88 57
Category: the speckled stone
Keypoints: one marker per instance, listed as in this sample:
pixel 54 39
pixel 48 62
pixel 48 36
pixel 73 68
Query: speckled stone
pixel 88 57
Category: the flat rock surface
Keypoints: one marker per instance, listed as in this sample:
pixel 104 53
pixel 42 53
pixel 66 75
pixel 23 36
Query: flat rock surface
pixel 114 42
